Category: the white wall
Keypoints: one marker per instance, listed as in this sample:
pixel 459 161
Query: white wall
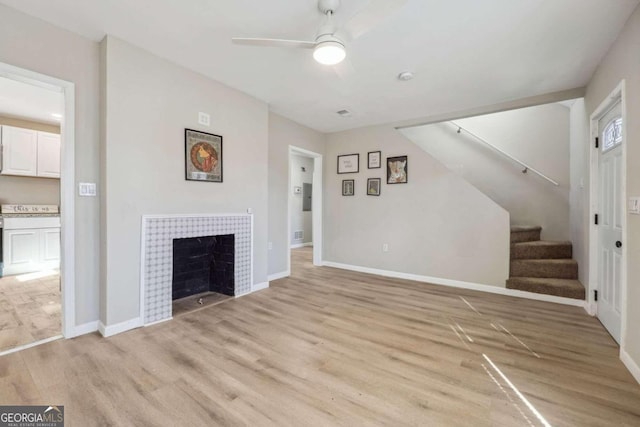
pixel 579 196
pixel 32 44
pixel 300 220
pixel 437 225
pixel 282 134
pixel 149 103
pixel 537 136
pixel 623 62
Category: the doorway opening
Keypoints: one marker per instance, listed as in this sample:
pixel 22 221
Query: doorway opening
pixel 305 205
pixel 607 236
pixel 36 209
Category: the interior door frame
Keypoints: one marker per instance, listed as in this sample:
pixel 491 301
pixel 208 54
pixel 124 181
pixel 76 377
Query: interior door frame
pixel 67 185
pixel 617 95
pixel 316 201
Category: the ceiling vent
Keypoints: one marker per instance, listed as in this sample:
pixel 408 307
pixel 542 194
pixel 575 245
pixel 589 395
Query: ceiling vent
pixel 344 113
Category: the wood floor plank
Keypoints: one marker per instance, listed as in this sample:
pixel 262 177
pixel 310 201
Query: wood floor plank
pixel 332 347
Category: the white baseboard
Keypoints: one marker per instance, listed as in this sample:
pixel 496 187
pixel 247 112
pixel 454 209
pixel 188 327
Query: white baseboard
pixel 631 365
pixel 280 275
pixel 460 284
pixel 85 328
pixel 118 328
pixel 300 245
pixel 259 286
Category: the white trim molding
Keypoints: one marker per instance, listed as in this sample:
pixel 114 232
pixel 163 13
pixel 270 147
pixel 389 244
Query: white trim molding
pixel 300 245
pixel 32 344
pixel 67 184
pixel 280 275
pixel 460 284
pixel 85 328
pixel 259 286
pixel 631 365
pixel 118 328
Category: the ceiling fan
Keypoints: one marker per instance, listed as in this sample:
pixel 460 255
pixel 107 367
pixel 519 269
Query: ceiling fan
pixel 329 44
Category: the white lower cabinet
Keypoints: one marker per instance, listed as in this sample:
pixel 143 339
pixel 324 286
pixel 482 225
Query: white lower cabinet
pixel 30 249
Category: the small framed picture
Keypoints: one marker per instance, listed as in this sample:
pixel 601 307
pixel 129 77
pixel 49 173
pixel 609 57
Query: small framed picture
pixel 203 156
pixel 348 186
pixel 349 163
pixel 397 170
pixel 373 186
pixel 374 159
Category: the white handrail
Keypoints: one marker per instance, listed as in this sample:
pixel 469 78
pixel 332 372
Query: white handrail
pixel 526 166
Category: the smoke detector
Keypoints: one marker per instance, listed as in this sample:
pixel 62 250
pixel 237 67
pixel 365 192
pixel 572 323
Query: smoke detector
pixel 405 76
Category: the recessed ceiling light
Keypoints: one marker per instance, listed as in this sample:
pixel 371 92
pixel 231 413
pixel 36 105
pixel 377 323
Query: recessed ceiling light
pixel 405 76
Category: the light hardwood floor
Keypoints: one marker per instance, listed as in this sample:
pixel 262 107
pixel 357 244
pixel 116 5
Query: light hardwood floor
pixel 329 347
pixel 29 309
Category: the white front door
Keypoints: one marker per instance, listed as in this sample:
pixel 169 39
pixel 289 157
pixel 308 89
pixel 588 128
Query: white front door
pixel 610 214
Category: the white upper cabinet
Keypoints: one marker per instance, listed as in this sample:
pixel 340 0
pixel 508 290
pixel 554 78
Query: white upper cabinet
pixel 28 152
pixel 19 151
pixel 48 155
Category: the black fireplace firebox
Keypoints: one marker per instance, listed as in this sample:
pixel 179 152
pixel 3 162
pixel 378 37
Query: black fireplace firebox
pixel 203 264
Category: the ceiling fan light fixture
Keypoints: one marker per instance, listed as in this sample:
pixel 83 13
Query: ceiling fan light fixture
pixel 329 52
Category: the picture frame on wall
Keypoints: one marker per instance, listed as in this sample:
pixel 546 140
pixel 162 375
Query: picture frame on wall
pixel 202 156
pixel 374 159
pixel 397 170
pixel 373 186
pixel 349 163
pixel 348 187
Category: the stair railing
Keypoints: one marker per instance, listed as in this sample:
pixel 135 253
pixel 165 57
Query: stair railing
pixel 524 165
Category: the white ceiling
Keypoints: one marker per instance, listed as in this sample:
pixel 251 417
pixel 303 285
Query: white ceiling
pixel 25 101
pixel 464 53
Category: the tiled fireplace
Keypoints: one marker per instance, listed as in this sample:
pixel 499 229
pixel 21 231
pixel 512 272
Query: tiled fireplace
pixel 207 235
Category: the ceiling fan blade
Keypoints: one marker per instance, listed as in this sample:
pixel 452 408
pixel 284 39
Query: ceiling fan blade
pixel 367 19
pixel 273 42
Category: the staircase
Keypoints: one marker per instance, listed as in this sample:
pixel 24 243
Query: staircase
pixel 541 266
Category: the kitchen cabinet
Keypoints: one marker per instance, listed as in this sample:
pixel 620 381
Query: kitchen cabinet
pixel 27 152
pixel 30 244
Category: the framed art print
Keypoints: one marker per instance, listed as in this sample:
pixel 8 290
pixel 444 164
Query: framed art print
pixel 348 186
pixel 374 159
pixel 349 163
pixel 373 186
pixel 397 170
pixel 203 156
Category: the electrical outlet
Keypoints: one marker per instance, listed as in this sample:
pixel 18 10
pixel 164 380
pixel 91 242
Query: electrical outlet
pixel 204 119
pixel 270 245
pixel 385 247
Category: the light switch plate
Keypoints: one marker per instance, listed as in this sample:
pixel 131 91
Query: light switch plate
pixel 634 205
pixel 204 119
pixel 87 189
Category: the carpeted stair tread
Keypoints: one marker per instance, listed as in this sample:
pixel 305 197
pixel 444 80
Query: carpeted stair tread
pixel 521 228
pixel 546 268
pixel 560 287
pixel 525 233
pixel 541 249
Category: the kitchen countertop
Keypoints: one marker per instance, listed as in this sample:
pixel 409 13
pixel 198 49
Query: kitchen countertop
pixel 28 215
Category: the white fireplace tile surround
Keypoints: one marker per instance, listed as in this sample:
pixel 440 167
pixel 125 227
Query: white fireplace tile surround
pixel 158 232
